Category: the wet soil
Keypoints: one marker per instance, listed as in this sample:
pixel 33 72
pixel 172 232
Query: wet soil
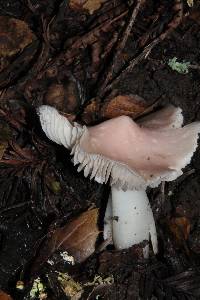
pixel 30 205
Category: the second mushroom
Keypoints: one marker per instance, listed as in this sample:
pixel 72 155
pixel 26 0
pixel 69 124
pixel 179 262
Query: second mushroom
pixel 130 156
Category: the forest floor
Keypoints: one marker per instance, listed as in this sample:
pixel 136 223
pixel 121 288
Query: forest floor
pixel 77 56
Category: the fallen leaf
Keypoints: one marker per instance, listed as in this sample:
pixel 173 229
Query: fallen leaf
pixel 90 5
pixel 129 105
pixel 180 227
pixel 78 238
pixel 89 115
pixel 15 35
pixel 4 296
pixel 66 97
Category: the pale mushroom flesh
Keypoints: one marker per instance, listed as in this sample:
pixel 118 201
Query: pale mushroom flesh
pixel 131 156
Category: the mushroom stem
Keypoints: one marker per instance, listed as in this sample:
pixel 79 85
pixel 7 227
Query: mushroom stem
pixel 132 219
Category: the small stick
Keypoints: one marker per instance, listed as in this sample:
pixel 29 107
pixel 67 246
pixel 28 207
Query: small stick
pixel 122 43
pixel 131 65
pixel 14 206
pixel 145 53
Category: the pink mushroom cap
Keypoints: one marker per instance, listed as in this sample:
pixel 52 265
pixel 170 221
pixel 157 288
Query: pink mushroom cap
pixel 136 155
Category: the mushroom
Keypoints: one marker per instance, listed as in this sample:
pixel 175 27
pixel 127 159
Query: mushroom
pixel 131 156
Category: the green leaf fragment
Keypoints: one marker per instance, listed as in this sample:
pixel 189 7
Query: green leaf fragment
pixel 180 67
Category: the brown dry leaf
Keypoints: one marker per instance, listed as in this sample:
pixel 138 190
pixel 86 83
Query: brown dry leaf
pixel 77 237
pixel 180 227
pixel 64 96
pixel 15 35
pixel 89 115
pixel 90 5
pixel 4 296
pixel 129 105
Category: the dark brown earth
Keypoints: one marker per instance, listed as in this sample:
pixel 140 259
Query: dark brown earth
pixel 61 63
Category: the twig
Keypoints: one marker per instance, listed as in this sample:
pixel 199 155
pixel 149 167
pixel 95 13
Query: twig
pixel 122 43
pixel 145 53
pixel 80 43
pixel 131 65
pixel 175 22
pixel 14 206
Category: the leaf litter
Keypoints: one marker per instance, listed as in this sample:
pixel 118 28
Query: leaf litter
pixel 92 36
pixel 77 237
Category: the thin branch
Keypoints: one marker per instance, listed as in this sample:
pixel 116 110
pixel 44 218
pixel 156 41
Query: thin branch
pixel 147 50
pixel 122 43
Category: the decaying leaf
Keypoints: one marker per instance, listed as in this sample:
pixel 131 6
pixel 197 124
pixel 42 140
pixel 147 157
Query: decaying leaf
pixel 90 5
pixel 89 115
pixel 180 227
pixel 129 105
pixel 65 96
pixel 71 288
pixel 4 296
pixel 78 238
pixel 15 35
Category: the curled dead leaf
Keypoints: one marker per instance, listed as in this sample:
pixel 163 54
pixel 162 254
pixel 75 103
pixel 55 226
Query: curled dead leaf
pixel 78 238
pixel 90 5
pixel 4 296
pixel 180 228
pixel 129 105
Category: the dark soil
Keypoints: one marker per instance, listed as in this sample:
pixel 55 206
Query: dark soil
pixel 60 57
